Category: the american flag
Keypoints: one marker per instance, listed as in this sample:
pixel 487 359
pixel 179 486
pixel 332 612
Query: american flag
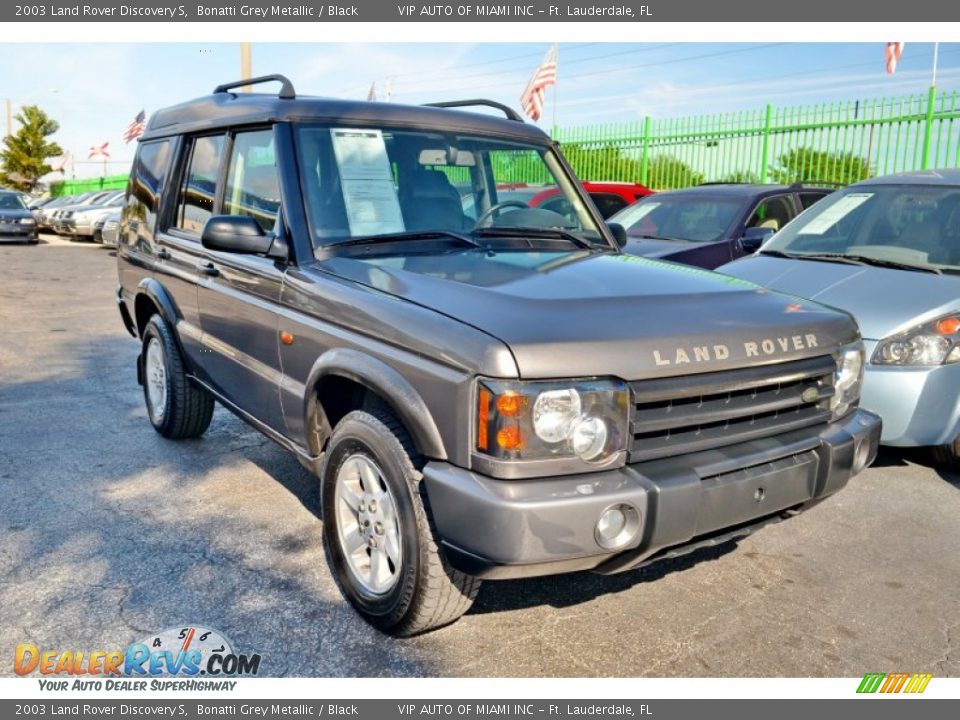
pixel 99 150
pixel 543 77
pixel 892 53
pixel 136 128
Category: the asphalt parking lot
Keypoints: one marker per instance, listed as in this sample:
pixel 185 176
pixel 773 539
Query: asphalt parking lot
pixel 111 533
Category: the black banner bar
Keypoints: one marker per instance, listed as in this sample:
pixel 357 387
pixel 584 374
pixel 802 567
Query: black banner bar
pixel 511 11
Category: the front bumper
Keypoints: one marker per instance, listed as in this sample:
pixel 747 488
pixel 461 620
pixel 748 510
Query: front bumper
pixel 17 232
pixel 499 529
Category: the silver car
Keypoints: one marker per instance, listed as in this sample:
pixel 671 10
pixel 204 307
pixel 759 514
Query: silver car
pixel 887 250
pixel 81 222
pixel 109 229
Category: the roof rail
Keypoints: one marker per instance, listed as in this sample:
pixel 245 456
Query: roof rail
pixel 816 183
pixel 286 87
pixel 505 109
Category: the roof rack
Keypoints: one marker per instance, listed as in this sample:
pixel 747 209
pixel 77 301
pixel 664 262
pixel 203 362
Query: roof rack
pixel 286 87
pixel 505 109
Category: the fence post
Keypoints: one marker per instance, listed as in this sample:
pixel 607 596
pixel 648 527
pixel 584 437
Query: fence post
pixel 928 129
pixel 765 153
pixel 645 157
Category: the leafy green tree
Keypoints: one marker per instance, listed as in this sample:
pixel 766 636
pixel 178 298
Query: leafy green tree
pixel 23 161
pixel 806 164
pixel 666 172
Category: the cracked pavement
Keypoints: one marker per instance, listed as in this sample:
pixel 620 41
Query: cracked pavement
pixel 111 533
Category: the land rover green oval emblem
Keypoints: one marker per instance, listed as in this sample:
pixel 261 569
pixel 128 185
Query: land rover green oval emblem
pixel 811 394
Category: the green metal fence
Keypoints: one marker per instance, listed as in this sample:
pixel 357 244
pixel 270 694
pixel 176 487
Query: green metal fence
pixel 833 143
pixel 76 187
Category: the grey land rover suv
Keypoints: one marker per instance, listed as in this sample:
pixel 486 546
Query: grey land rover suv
pixel 484 390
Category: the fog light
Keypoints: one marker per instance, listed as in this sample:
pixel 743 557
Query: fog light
pixel 617 526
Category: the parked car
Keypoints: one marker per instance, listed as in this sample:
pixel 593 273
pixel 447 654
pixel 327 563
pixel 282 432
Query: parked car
pixel 492 397
pixel 609 197
pixel 59 221
pixel 107 229
pixel 712 224
pixel 16 221
pixel 80 222
pixel 44 214
pixel 886 250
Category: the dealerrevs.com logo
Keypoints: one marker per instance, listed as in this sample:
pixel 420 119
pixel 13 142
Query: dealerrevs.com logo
pixel 186 652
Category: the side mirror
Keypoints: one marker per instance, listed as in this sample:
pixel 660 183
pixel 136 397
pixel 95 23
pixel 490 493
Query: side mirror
pixel 619 233
pixel 235 234
pixel 754 237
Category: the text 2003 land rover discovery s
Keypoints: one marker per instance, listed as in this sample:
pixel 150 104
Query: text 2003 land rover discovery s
pixel 487 394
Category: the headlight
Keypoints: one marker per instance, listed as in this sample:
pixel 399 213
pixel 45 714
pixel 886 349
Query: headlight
pixel 27 221
pixel 576 419
pixel 934 343
pixel 847 379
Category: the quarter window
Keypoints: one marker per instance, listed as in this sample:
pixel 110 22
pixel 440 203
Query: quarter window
pixel 198 191
pixel 252 185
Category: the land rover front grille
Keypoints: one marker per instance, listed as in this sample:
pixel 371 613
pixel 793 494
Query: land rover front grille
pixel 679 415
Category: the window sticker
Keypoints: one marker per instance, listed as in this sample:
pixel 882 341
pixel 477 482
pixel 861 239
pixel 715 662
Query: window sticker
pixel 368 190
pixel 834 214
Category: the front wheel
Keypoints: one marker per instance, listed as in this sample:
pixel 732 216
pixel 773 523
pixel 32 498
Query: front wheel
pixel 378 532
pixel 948 456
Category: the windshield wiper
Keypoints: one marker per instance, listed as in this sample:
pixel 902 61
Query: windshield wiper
pixel 895 264
pixel 413 235
pixel 818 257
pixel 660 237
pixel 853 259
pixel 559 233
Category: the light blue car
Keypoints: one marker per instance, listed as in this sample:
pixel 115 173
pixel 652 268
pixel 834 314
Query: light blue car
pixel 886 250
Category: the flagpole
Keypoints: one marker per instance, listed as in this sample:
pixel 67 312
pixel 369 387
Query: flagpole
pixel 556 84
pixel 936 54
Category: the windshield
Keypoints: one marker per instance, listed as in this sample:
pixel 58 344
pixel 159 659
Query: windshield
pixel 907 224
pixel 679 217
pixel 9 201
pixel 362 183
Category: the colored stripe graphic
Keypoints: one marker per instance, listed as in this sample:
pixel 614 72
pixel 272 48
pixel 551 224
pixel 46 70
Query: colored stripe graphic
pixel 894 683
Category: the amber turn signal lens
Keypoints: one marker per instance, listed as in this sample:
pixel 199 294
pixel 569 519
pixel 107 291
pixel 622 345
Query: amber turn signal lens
pixel 286 338
pixel 510 404
pixel 509 438
pixel 948 326
pixel 483 417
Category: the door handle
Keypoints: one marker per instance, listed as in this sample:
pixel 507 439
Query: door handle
pixel 209 269
pixel 163 254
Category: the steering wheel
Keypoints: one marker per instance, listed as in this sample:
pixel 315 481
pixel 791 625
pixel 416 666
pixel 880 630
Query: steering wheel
pixel 489 212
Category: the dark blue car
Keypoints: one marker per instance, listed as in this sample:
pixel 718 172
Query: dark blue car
pixel 709 225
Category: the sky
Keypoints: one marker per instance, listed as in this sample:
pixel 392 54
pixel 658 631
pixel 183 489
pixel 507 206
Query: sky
pixel 95 90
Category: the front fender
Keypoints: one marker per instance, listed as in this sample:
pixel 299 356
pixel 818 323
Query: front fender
pixel 386 382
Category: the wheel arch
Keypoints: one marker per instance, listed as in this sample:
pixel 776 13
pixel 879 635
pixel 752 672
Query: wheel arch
pixel 341 369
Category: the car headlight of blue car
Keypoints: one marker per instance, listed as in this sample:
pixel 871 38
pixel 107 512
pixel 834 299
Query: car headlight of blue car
pixel 848 379
pixel 933 343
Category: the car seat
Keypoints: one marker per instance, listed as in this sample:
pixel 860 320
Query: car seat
pixel 429 202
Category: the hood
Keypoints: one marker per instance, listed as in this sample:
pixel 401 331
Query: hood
pixel 579 314
pixel 883 300
pixel 15 214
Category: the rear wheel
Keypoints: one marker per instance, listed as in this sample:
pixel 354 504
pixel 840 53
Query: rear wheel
pixel 177 407
pixel 378 532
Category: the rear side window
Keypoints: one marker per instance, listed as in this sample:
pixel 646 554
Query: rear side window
pixel 146 183
pixel 808 199
pixel 608 203
pixel 772 212
pixel 199 187
pixel 252 185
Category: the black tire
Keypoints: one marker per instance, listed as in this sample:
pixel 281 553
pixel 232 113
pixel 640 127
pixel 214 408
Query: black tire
pixel 428 593
pixel 187 408
pixel 947 456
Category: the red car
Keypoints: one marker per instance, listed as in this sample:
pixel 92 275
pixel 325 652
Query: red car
pixel 609 197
